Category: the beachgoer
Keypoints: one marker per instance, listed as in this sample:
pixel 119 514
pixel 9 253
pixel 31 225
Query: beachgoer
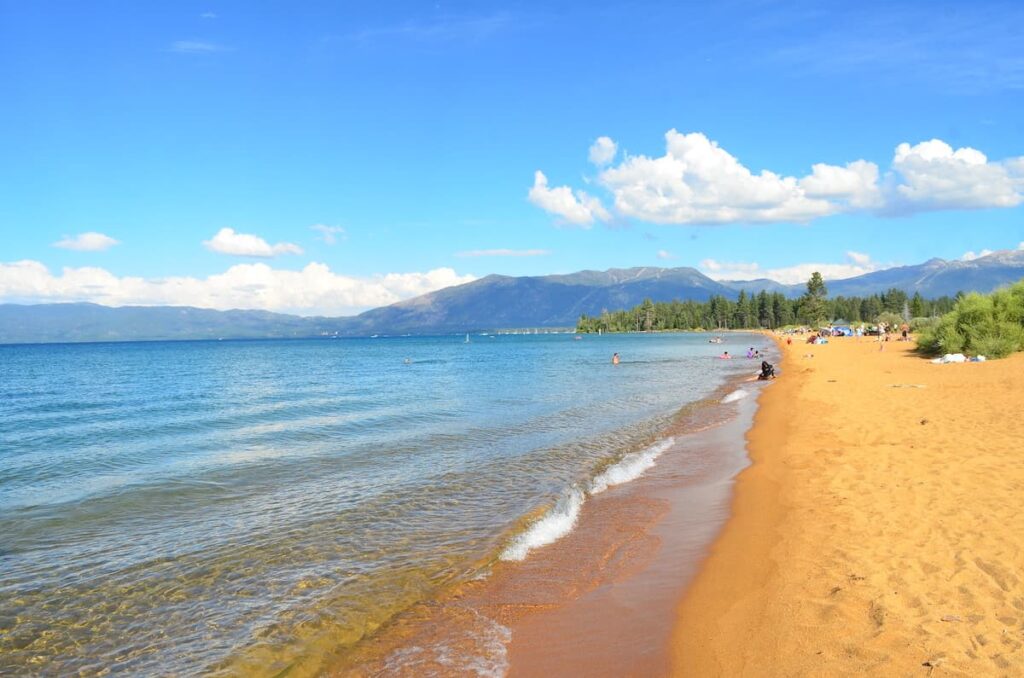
pixel 789 341
pixel 725 356
pixel 750 352
pixel 767 371
pixel 615 359
pixel 905 329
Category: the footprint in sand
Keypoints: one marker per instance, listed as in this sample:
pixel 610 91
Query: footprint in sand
pixel 1002 577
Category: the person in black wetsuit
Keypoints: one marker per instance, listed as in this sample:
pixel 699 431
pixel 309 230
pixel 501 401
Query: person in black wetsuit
pixel 767 371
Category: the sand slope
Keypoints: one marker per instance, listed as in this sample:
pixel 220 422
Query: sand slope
pixel 880 530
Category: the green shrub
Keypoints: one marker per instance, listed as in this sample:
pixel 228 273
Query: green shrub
pixel 890 319
pixel 1006 338
pixel 922 324
pixel 991 325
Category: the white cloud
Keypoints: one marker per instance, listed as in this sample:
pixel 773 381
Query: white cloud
pixel 577 208
pixel 227 241
pixel 856 264
pixel 854 186
pixel 87 242
pixel 208 15
pixel 197 47
pixel 603 151
pixel 934 176
pixel 503 253
pixel 313 290
pixel 858 257
pixel 665 255
pixel 329 234
pixel 698 182
pixel 971 255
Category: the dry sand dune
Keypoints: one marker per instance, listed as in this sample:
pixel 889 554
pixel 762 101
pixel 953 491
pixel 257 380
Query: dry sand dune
pixel 880 530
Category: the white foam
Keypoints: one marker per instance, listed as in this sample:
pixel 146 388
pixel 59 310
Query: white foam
pixel 482 650
pixel 555 524
pixel 738 394
pixel 630 467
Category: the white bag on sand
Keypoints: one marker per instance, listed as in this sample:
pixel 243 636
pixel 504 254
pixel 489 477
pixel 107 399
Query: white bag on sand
pixel 951 358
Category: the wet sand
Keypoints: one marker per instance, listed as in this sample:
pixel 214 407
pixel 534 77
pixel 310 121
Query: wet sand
pixel 602 600
pixel 880 529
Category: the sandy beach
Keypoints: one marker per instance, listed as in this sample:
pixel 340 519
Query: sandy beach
pixel 880 529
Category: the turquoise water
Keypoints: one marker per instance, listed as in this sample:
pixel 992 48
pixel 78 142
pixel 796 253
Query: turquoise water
pixel 242 507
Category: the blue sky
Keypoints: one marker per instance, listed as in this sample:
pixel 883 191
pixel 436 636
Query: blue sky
pixel 413 131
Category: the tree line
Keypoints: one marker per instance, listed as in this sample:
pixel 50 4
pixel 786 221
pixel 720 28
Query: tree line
pixel 766 310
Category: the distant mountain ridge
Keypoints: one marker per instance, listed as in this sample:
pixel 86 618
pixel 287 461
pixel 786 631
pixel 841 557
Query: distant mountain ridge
pixel 493 302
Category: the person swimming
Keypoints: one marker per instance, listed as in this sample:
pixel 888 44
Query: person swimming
pixel 750 352
pixel 725 356
pixel 615 359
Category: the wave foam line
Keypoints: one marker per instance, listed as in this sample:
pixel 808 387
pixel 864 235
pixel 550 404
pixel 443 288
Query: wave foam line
pixel 555 524
pixel 738 394
pixel 630 467
pixel 561 519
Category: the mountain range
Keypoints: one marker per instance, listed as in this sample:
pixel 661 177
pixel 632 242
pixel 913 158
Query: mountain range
pixel 493 302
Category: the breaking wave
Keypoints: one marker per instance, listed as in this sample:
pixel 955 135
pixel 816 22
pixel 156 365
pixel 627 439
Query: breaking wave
pixel 630 467
pixel 738 394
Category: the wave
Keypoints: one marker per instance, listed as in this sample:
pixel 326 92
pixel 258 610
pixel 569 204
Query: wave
pixel 738 394
pixel 555 524
pixel 629 467
pixel 562 517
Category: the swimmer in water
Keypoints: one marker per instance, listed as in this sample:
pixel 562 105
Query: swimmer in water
pixel 615 359
pixel 725 356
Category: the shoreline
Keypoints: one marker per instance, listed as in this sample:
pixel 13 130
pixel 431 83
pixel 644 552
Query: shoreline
pixel 632 549
pixel 879 528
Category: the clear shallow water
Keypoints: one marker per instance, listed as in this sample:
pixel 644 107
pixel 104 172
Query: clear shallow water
pixel 241 507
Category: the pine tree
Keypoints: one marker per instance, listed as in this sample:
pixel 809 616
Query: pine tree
pixel 812 303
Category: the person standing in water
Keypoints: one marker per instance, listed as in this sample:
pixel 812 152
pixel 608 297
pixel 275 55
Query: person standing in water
pixel 615 359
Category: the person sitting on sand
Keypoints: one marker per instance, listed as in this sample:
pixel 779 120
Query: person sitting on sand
pixel 615 359
pixel 767 371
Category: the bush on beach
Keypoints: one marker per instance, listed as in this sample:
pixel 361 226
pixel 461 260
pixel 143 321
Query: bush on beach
pixel 991 325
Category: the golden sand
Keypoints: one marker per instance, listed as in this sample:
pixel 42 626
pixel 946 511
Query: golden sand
pixel 880 530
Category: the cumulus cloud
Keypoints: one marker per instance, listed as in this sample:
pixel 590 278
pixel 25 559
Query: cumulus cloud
pixel 603 151
pixel 227 241
pixel 934 176
pixel 858 258
pixel 329 234
pixel 854 186
pixel 503 253
pixel 970 255
pixel 313 290
pixel 856 264
pixel 577 208
pixel 698 182
pixel 90 241
pixel 665 255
